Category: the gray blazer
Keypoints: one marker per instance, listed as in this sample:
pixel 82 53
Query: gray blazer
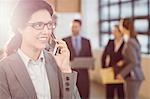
pixel 132 58
pixel 15 82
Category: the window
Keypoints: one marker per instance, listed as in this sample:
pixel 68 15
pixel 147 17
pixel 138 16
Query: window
pixel 104 26
pixel 141 8
pixel 126 10
pixel 141 25
pixel 114 11
pixel 111 11
pixel 104 13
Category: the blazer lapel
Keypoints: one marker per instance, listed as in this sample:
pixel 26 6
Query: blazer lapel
pixel 52 76
pixel 82 45
pixel 71 46
pixel 22 75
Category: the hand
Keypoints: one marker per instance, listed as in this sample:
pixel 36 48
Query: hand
pixel 120 63
pixel 119 77
pixel 107 60
pixel 63 58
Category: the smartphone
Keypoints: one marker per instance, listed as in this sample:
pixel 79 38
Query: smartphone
pixel 51 47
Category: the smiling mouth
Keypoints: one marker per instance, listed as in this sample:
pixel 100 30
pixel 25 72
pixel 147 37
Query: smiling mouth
pixel 43 39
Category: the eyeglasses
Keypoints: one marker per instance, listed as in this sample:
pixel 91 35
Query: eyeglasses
pixel 41 25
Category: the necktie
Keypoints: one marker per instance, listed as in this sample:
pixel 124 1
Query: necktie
pixel 77 46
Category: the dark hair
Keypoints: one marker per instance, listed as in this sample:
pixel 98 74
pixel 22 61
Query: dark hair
pixel 129 25
pixel 77 20
pixel 23 11
pixel 13 44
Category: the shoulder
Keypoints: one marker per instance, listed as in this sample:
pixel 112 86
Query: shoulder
pixel 133 42
pixel 6 61
pixel 110 42
pixel 66 38
pixel 48 55
pixel 85 39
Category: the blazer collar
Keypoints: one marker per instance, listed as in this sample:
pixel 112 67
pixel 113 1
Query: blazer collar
pixel 22 75
pixel 54 76
pixel 24 79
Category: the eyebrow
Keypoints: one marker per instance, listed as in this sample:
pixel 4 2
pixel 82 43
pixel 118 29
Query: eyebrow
pixel 39 22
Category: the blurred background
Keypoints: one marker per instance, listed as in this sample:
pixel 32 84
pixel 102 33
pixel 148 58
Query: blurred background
pixel 98 17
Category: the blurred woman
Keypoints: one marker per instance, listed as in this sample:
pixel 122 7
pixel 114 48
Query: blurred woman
pixel 132 71
pixel 112 57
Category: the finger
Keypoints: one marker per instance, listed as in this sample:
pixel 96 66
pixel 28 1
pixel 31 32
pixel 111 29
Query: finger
pixel 61 42
pixel 64 50
pixel 62 45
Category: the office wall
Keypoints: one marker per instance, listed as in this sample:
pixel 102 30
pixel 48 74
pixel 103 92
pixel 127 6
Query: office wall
pixel 89 11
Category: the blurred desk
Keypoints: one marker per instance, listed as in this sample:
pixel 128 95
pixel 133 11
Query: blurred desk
pixel 83 62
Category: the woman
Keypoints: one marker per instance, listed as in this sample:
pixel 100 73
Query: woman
pixel 31 72
pixel 132 72
pixel 112 56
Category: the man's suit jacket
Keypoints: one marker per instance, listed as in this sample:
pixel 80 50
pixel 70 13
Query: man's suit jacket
pixel 15 82
pixel 132 58
pixel 83 83
pixel 85 48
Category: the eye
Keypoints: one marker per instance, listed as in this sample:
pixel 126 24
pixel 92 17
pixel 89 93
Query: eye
pixel 39 24
pixel 50 25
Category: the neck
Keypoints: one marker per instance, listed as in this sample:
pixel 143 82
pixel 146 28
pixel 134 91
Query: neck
pixel 75 35
pixel 33 53
pixel 118 39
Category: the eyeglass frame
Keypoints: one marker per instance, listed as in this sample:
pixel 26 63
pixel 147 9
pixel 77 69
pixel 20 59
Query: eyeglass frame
pixel 44 24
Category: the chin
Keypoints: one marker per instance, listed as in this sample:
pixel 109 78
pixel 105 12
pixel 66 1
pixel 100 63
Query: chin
pixel 41 46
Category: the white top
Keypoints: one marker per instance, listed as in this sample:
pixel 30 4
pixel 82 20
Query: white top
pixel 38 74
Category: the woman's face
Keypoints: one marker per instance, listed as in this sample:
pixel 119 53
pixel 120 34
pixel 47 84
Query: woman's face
pixel 116 33
pixel 38 29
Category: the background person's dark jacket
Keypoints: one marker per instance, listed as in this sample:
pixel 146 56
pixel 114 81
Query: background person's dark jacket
pixel 83 76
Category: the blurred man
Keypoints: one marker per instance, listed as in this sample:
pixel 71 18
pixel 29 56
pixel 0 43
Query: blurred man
pixel 79 47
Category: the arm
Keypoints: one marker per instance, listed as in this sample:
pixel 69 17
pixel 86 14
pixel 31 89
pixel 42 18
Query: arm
pixel 120 63
pixel 105 55
pixel 4 88
pixel 131 52
pixel 68 77
pixel 89 48
pixel 69 86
